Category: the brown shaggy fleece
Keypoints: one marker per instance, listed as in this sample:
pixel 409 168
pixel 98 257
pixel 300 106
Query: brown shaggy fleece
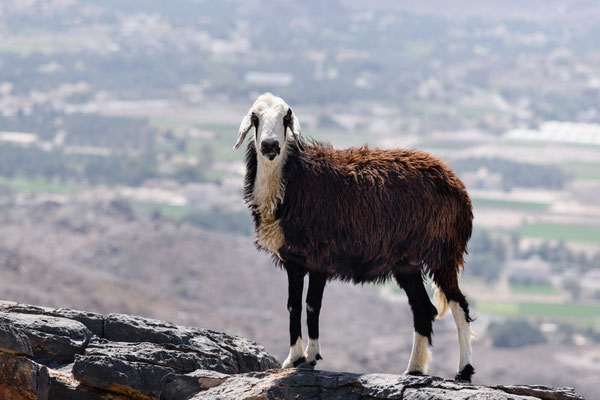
pixel 362 214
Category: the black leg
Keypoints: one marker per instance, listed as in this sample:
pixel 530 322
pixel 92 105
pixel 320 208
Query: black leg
pixel 314 297
pixel 294 304
pixel 295 288
pixel 424 311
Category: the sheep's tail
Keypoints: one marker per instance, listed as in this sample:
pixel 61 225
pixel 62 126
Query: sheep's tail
pixel 441 302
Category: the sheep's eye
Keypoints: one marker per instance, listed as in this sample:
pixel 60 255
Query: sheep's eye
pixel 254 119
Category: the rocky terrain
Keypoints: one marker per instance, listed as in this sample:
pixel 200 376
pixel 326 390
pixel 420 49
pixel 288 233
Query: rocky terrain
pixel 66 354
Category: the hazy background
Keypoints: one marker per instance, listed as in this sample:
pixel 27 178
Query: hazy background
pixel 119 191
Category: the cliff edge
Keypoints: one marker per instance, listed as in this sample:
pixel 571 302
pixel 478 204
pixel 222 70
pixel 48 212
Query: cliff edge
pixel 64 354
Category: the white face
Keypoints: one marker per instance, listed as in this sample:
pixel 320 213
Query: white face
pixel 273 122
pixel 270 136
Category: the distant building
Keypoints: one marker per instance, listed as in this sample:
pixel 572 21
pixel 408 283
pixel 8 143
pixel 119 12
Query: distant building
pixel 20 138
pixel 482 179
pixel 559 132
pixel 533 271
pixel 590 284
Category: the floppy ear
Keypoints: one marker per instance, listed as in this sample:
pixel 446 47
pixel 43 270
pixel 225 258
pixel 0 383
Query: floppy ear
pixel 294 126
pixel 245 126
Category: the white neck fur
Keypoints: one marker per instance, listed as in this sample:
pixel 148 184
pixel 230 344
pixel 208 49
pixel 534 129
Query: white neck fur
pixel 268 193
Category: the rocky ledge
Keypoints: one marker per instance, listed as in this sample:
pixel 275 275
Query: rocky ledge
pixel 63 354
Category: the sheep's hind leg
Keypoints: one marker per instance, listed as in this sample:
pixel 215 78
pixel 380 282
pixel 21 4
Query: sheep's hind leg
pixel 314 297
pixel 295 287
pixel 423 315
pixel 459 305
pixel 462 320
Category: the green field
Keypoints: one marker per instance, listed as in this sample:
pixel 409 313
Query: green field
pixel 498 203
pixel 587 314
pixel 534 290
pixel 585 170
pixel 568 232
pixel 36 185
pixel 587 176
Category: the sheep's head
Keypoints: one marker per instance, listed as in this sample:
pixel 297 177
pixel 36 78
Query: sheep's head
pixel 272 119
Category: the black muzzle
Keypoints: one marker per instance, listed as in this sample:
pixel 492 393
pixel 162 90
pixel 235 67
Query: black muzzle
pixel 270 148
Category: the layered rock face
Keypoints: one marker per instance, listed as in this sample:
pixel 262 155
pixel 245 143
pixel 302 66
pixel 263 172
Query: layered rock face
pixel 63 354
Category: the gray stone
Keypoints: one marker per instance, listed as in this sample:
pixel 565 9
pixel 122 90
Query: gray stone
pixel 128 328
pixel 13 341
pixel 137 380
pixel 439 393
pixel 181 358
pixel 241 354
pixel 542 392
pixel 307 384
pixel 93 321
pixel 249 355
pixel 388 386
pixel 53 340
pixel 180 387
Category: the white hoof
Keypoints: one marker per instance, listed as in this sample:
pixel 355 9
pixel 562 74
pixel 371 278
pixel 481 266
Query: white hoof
pixel 296 356
pixel 293 363
pixel 312 353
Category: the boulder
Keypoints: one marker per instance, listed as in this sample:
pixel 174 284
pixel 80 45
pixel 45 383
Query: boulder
pixel 53 340
pixel 310 384
pixel 178 386
pixel 13 341
pixel 93 321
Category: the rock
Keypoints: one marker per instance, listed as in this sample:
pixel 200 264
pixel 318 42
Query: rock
pixel 62 354
pixel 248 355
pixel 13 341
pixel 184 359
pixel 236 354
pixel 70 354
pixel 18 377
pixel 541 392
pixel 136 380
pixel 305 383
pixel 179 386
pixel 309 384
pixel 128 328
pixel 61 385
pixel 93 321
pixel 53 340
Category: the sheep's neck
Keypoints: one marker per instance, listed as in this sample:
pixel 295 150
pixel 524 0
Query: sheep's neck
pixel 268 194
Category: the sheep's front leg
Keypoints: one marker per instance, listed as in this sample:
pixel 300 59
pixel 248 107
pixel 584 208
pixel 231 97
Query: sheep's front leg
pixel 295 287
pixel 423 315
pixel 316 286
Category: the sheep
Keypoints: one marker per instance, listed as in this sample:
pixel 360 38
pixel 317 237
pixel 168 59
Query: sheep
pixel 359 215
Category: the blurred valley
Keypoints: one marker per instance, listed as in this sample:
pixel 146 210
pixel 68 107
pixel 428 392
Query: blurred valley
pixel 119 191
